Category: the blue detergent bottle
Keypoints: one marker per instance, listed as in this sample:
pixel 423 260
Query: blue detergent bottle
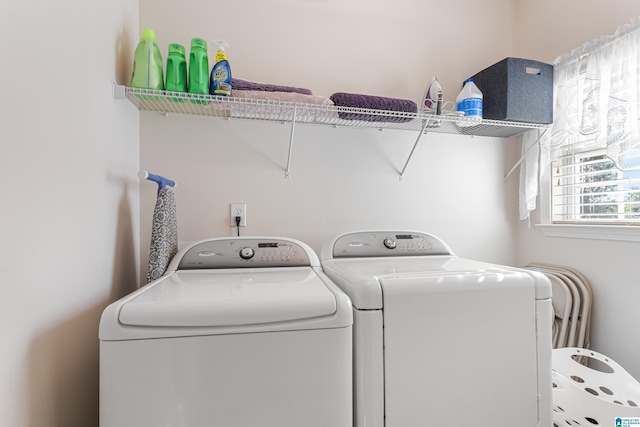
pixel 220 82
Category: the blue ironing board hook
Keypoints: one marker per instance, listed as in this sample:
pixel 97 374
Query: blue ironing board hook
pixel 160 180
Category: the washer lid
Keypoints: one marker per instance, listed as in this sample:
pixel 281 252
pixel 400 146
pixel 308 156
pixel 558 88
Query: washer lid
pixel 362 278
pixel 230 297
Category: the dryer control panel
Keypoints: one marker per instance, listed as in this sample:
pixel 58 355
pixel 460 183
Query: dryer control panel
pixel 387 244
pixel 243 253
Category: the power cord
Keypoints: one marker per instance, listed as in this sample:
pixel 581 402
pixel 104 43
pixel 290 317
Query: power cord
pixel 238 224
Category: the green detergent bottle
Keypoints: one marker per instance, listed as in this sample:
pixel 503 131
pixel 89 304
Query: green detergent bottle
pixel 147 63
pixel 199 69
pixel 176 71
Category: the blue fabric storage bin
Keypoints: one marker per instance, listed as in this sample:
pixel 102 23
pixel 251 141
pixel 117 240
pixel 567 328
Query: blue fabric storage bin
pixel 519 90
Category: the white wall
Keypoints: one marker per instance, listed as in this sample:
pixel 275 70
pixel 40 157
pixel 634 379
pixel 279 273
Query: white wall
pixel 363 46
pixel 547 29
pixel 70 208
pixel 342 179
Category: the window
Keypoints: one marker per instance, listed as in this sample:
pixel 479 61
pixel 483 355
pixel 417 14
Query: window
pixel 594 139
pixel 588 188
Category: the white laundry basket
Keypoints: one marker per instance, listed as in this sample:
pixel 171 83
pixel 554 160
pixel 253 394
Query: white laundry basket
pixel 590 389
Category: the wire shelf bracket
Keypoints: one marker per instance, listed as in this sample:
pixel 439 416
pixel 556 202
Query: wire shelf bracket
pixel 287 173
pixel 413 149
pixel 119 92
pixel 524 156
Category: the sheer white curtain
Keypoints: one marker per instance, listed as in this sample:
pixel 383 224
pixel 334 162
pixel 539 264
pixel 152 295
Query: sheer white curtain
pixel 596 95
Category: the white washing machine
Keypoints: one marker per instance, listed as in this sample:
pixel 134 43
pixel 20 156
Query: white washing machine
pixel 238 332
pixel 440 340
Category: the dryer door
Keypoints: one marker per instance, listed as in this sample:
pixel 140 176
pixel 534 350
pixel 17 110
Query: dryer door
pixel 460 349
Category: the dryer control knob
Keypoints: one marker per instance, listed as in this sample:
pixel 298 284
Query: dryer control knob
pixel 390 243
pixel 247 253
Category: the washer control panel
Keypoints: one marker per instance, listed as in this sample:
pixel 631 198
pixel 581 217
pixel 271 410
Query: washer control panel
pixel 388 243
pixel 239 253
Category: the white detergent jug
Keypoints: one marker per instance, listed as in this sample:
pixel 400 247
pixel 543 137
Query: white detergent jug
pixel 469 100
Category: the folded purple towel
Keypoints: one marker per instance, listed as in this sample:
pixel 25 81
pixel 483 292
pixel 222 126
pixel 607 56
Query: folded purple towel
pixel 354 100
pixel 240 84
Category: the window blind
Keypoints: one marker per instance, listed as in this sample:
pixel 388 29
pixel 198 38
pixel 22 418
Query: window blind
pixel 588 188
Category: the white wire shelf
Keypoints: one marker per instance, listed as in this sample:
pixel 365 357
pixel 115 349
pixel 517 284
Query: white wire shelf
pixel 319 114
pixel 329 115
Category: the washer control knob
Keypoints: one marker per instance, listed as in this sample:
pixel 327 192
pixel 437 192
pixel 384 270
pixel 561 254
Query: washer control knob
pixel 390 243
pixel 247 253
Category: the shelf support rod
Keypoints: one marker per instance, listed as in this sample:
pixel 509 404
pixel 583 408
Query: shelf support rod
pixel 524 156
pixel 415 144
pixel 287 173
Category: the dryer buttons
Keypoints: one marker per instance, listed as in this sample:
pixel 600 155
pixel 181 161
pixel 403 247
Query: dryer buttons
pixel 389 243
pixel 247 253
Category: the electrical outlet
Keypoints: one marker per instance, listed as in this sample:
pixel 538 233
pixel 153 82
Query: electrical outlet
pixel 238 209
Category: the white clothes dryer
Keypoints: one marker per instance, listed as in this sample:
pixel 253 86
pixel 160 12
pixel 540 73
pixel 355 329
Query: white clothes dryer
pixel 238 332
pixel 440 340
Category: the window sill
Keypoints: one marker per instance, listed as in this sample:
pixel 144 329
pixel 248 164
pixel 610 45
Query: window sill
pixel 595 232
